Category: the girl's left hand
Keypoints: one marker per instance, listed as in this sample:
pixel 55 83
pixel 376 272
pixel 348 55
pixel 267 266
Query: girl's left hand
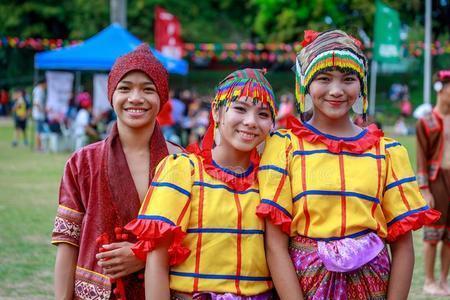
pixel 119 260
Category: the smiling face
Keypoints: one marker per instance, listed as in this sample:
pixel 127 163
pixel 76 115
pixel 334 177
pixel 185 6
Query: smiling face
pixel 333 94
pixel 136 101
pixel 243 125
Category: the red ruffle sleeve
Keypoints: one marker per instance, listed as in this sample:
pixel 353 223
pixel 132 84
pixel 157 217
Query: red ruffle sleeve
pixel 276 216
pixel 151 232
pixel 412 222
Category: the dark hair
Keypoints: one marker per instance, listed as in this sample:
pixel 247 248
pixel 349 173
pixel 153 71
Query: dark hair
pixel 443 79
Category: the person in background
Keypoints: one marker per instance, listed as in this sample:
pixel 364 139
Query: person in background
pixel 406 106
pixel 82 128
pixel 20 111
pixel 4 102
pixel 178 112
pixel 38 113
pixel 166 122
pixel 433 167
pixel 286 111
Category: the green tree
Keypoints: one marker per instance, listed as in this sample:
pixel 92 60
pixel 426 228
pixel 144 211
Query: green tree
pixel 285 21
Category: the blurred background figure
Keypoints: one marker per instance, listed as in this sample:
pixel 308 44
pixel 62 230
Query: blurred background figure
pixel 83 131
pixel 167 123
pixel 178 113
pixel 400 127
pixel 38 113
pixel 20 111
pixel 433 169
pixel 197 119
pixel 4 102
pixel 286 110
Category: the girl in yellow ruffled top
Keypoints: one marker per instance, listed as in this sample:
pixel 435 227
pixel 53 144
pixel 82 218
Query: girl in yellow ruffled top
pixel 340 192
pixel 197 226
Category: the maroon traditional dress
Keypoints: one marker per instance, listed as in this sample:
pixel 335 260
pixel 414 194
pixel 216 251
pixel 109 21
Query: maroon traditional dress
pixel 97 198
pixel 433 168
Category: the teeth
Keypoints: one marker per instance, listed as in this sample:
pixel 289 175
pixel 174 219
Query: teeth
pixel 135 110
pixel 247 135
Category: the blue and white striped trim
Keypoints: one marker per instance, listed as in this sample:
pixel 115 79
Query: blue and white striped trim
pixel 172 186
pixel 277 206
pixel 399 182
pixel 222 186
pixel 336 193
pixel 219 276
pixel 406 214
pixel 225 230
pixel 274 168
pixel 156 218
pixel 324 151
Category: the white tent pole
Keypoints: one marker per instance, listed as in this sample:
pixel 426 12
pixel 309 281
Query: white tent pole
pixel 427 55
pixel 118 12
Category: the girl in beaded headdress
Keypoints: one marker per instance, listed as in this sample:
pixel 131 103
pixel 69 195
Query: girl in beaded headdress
pixel 340 192
pixel 197 227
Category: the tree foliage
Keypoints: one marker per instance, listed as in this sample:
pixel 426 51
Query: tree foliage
pixel 285 21
pixel 209 21
pixel 215 21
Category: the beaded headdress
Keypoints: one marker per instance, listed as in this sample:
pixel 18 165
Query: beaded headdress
pixel 249 83
pixel 326 51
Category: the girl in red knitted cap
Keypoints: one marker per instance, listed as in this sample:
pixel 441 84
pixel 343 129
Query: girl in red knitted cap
pixel 338 191
pixel 103 186
pixel 197 227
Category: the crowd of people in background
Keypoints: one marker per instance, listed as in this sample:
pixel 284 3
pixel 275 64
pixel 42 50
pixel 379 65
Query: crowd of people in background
pixel 183 119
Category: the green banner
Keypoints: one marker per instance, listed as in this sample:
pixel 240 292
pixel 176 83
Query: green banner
pixel 386 46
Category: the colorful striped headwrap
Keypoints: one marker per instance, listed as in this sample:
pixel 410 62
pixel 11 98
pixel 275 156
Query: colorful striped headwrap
pixel 326 51
pixel 248 82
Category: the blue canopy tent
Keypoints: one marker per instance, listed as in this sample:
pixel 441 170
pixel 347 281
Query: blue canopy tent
pixel 99 53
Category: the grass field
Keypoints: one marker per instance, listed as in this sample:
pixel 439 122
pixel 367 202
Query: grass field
pixel 28 198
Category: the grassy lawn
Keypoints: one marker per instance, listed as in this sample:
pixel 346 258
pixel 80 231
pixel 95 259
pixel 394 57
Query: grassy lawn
pixel 29 191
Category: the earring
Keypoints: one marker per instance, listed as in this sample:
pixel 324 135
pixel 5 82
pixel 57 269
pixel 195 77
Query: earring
pixel 217 138
pixel 358 106
pixel 308 103
pixel 438 86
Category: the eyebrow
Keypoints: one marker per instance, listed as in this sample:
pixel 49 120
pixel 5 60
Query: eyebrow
pixel 343 74
pixel 144 83
pixel 250 103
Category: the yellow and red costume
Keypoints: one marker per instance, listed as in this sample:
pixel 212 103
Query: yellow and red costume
pixel 325 187
pixel 336 197
pixel 210 211
pixel 218 241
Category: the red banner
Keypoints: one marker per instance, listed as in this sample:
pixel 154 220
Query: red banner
pixel 168 33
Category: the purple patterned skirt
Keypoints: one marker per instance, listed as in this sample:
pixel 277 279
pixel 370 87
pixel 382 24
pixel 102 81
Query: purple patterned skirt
pixel 344 269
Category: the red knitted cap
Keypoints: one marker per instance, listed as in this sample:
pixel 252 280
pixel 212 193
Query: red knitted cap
pixel 141 59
